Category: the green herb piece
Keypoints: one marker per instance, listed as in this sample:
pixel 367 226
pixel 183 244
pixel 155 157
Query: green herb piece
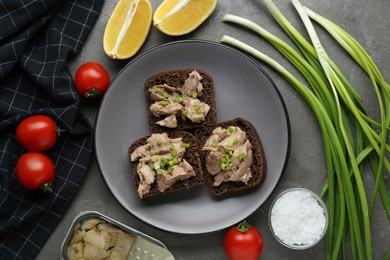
pixel 170 170
pixel 178 98
pixel 173 162
pixel 180 89
pixel 214 144
pixel 164 162
pixel 184 112
pixel 223 166
pixel 226 160
pixel 164 102
pixel 152 153
pixel 159 142
pixel 151 165
pixel 198 109
pixel 165 94
pixel 194 95
pixel 139 166
pixel 173 151
pixel 232 142
pixel 184 145
pixel 159 171
pixel 241 155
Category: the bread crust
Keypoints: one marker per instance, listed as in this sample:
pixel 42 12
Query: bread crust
pixel 258 167
pixel 176 79
pixel 191 155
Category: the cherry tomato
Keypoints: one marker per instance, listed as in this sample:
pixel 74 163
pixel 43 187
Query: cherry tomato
pixel 243 242
pixel 91 80
pixel 35 170
pixel 37 133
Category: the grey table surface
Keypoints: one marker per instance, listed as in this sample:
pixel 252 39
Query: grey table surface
pixel 366 20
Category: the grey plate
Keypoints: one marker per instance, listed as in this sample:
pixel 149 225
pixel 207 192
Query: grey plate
pixel 242 88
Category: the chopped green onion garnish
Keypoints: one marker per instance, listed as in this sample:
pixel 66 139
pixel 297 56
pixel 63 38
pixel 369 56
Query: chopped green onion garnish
pixel 214 144
pixel 198 109
pixel 241 155
pixel 232 142
pixel 173 162
pixel 159 171
pixel 223 166
pixel 159 142
pixel 139 166
pixel 152 153
pixel 178 98
pixel 170 170
pixel 184 145
pixel 165 94
pixel 151 165
pixel 194 95
pixel 226 160
pixel 179 89
pixel 173 150
pixel 164 102
pixel 164 162
pixel 184 112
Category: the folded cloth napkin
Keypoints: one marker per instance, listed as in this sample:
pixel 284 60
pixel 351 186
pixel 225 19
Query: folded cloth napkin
pixel 36 39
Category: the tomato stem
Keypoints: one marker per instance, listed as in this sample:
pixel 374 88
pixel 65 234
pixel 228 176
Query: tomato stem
pixel 47 187
pixel 243 226
pixel 92 93
pixel 59 130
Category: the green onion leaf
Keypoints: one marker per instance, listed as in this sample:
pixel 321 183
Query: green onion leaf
pixel 350 136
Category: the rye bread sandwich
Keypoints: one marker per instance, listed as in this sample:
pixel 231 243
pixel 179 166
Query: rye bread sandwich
pixel 182 99
pixel 232 155
pixel 165 162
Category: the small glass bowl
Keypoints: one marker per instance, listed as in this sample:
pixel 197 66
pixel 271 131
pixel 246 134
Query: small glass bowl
pixel 299 222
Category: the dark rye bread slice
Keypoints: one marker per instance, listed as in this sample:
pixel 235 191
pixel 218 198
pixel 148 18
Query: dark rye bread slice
pixel 191 155
pixel 258 167
pixel 176 78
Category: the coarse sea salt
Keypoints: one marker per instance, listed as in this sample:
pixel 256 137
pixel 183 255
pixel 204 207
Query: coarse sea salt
pixel 298 219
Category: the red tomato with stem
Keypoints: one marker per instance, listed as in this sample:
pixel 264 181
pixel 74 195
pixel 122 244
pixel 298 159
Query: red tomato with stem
pixel 35 171
pixel 37 133
pixel 91 80
pixel 243 242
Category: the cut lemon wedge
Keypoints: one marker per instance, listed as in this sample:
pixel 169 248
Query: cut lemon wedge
pixel 178 17
pixel 127 28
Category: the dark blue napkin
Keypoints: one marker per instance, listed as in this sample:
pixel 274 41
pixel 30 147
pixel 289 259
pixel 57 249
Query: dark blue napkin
pixel 36 39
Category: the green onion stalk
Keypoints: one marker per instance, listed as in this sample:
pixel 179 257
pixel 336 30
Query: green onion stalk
pixel 349 134
pixel 357 52
pixel 332 143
